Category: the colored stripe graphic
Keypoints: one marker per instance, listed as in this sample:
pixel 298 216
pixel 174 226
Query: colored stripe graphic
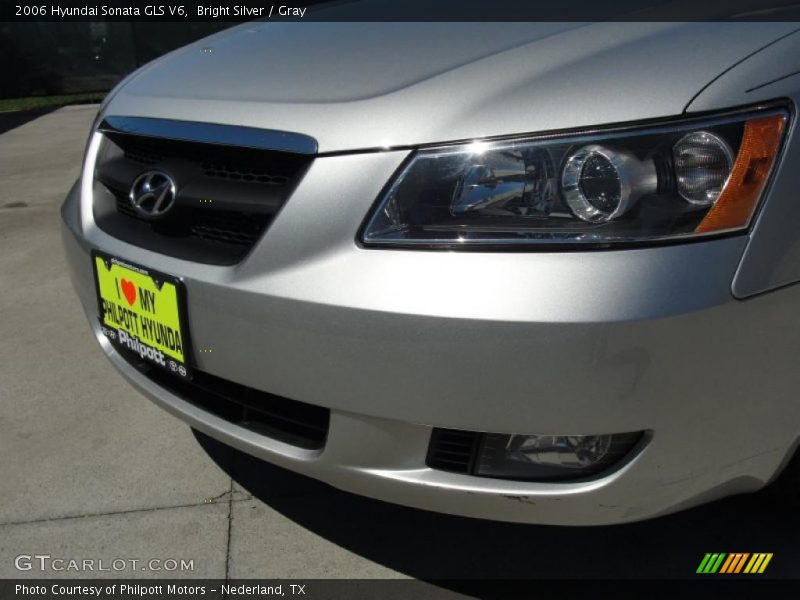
pixel 728 562
pixel 716 565
pixel 703 563
pixel 711 562
pixel 734 562
pixel 758 563
pixel 741 562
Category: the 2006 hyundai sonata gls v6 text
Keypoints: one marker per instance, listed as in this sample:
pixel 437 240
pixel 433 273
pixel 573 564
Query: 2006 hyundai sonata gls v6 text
pixel 533 272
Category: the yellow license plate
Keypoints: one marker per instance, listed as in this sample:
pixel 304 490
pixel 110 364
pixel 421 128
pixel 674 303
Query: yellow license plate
pixel 141 312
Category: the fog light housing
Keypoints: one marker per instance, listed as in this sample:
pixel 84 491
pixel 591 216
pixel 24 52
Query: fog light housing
pixel 551 457
pixel 559 458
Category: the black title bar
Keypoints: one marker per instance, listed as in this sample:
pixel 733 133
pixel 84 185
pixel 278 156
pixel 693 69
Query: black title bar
pixel 398 589
pixel 392 10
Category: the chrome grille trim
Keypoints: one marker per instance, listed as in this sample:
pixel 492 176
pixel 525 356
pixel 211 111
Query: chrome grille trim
pixel 211 133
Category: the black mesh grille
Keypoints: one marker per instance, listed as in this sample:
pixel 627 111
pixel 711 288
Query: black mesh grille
pixel 143 156
pixel 226 196
pixel 229 227
pixel 453 450
pixel 296 423
pixel 232 172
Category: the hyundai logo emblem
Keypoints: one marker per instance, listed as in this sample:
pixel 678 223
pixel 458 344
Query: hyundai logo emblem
pixel 153 194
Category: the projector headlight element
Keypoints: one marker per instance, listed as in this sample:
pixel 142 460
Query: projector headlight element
pixel 600 184
pixel 679 180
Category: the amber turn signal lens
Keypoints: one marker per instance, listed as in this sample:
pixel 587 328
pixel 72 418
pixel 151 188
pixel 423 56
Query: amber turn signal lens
pixel 760 143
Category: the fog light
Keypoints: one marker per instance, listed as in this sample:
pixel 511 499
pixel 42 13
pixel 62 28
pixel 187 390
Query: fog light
pixel 551 457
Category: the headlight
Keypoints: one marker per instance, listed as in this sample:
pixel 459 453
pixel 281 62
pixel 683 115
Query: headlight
pixel 661 182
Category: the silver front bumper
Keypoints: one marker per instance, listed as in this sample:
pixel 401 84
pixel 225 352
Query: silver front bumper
pixel 398 342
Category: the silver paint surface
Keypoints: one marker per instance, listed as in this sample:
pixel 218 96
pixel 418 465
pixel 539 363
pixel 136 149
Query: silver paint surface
pixel 395 342
pixel 372 85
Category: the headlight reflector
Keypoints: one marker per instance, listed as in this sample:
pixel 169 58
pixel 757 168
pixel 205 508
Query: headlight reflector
pixel 637 185
pixel 703 162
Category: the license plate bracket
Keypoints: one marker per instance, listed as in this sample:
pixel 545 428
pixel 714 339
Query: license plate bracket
pixel 143 311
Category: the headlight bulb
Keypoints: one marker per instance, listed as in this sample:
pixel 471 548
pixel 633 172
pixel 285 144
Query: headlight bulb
pixel 600 184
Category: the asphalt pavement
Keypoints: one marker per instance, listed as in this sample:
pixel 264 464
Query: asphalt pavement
pixel 92 470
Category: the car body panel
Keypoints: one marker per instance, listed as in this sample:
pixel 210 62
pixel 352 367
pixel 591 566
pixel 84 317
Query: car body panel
pixel 398 382
pixel 397 342
pixel 496 92
pixel 393 334
pixel 772 258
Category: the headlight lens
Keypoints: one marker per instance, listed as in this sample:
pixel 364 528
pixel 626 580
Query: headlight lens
pixel 638 185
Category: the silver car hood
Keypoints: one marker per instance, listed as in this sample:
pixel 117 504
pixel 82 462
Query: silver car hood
pixel 371 85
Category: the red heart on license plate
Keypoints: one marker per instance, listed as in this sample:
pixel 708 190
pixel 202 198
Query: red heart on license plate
pixel 128 290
